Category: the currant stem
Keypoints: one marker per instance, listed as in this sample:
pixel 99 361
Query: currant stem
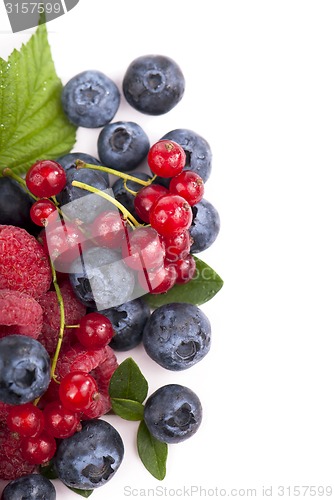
pixel 7 172
pixel 128 189
pixel 106 196
pixel 62 320
pixel 72 326
pixel 127 177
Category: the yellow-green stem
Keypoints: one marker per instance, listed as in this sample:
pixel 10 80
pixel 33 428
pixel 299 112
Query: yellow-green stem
pixel 7 172
pixel 62 320
pixel 106 196
pixel 127 177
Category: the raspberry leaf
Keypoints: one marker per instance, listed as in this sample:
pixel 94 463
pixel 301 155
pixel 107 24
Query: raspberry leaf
pixel 153 453
pixel 203 287
pixel 32 122
pixel 128 382
pixel 127 409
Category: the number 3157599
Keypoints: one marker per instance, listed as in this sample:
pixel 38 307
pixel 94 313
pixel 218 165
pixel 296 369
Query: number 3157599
pixel 33 7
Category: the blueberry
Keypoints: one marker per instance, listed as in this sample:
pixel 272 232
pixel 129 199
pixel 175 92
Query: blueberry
pixel 15 204
pixel 197 149
pixel 173 413
pixel 122 145
pixel 153 84
pixel 205 226
pixel 32 486
pixel 124 196
pixel 81 204
pixel 68 162
pixel 177 335
pixel 24 369
pixel 100 279
pixel 89 458
pixel 128 321
pixel 90 99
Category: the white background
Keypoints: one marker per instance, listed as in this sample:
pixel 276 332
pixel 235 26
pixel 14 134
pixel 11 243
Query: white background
pixel 260 89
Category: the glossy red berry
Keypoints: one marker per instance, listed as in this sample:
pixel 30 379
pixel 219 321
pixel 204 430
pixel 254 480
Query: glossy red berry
pixel 46 178
pixel 146 198
pixel 166 158
pixel 95 331
pixel 177 246
pixel 41 210
pixel 77 391
pixel 64 241
pixel 171 215
pixel 189 185
pixel 185 269
pixel 158 281
pixel 60 422
pixel 143 249
pixel 38 450
pixel 27 420
pixel 108 229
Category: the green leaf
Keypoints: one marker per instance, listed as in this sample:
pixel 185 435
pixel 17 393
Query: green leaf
pixel 128 382
pixel 48 470
pixel 203 287
pixel 83 493
pixel 153 453
pixel 127 409
pixel 32 122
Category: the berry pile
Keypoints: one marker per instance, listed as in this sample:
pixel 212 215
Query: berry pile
pixel 73 279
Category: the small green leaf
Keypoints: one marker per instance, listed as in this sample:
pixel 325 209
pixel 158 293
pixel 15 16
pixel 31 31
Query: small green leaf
pixel 153 453
pixel 203 287
pixel 127 409
pixel 128 382
pixel 33 124
pixel 48 470
pixel 83 493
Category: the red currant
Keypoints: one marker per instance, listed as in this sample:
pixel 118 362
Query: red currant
pixel 177 246
pixel 41 210
pixel 60 422
pixel 146 197
pixel 185 269
pixel 108 229
pixel 95 331
pixel 27 420
pixel 38 450
pixel 166 158
pixel 64 241
pixel 143 249
pixel 77 391
pixel 171 215
pixel 46 178
pixel 189 185
pixel 159 281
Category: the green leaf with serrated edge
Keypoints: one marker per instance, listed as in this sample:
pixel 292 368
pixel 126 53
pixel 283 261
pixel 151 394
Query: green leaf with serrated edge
pixel 48 470
pixel 83 493
pixel 153 453
pixel 203 287
pixel 33 125
pixel 127 409
pixel 128 382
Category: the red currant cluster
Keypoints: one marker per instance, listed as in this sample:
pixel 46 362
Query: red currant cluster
pixel 60 418
pixel 169 213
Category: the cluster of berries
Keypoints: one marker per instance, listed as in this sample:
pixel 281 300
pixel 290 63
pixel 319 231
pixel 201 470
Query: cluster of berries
pixel 71 292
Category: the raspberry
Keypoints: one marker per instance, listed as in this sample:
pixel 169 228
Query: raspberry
pixel 4 410
pixel 24 264
pixel 99 363
pixel 74 311
pixel 19 313
pixel 12 464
